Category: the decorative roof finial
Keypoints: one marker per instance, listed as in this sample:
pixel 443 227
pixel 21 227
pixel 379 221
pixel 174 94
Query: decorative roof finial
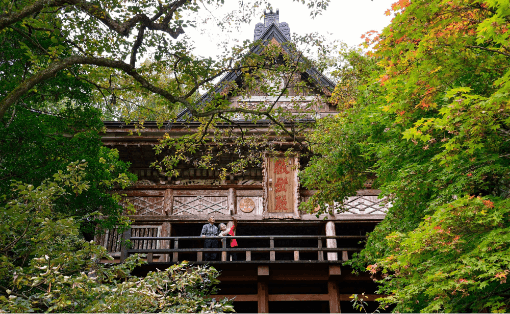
pixel 270 18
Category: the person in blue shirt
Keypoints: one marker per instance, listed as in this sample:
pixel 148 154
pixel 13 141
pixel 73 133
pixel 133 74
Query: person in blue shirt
pixel 210 230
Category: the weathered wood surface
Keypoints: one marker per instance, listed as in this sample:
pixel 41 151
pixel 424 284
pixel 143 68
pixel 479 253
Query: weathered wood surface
pixel 193 205
pixel 169 201
pixel 295 297
pixel 281 185
pixel 331 243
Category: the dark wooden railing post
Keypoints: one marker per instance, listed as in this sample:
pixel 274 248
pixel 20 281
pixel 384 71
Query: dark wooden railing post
pixel 321 253
pixel 166 231
pixel 155 251
pixel 345 256
pixel 223 246
pixel 331 243
pixel 126 236
pixel 176 255
pixel 272 256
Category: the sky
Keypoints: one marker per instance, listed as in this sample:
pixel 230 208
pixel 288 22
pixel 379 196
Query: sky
pixel 344 20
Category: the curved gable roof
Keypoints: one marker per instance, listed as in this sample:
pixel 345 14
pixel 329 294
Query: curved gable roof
pixel 273 32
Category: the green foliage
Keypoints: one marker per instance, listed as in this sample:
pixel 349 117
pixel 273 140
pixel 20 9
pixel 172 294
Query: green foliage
pixel 33 146
pixel 456 260
pixel 342 156
pixel 432 123
pixel 130 53
pixel 45 265
pixel 268 69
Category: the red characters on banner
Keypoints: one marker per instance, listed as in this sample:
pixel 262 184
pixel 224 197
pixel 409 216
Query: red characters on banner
pixel 280 167
pixel 281 185
pixel 281 203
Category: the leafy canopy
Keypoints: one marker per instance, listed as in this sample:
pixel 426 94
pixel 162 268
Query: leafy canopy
pixel 430 124
pixel 47 266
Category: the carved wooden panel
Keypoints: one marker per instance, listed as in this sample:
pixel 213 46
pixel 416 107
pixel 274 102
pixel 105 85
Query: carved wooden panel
pixel 281 185
pixel 148 205
pixel 365 205
pixel 247 202
pixel 194 205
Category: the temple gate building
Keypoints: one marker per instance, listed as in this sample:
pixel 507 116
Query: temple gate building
pixel 288 260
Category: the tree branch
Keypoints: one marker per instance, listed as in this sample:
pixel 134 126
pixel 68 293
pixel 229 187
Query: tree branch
pixel 57 66
pixel 137 45
pixel 490 50
pixel 9 19
pixel 125 28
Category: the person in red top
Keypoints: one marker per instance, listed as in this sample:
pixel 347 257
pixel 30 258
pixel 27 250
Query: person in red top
pixel 233 242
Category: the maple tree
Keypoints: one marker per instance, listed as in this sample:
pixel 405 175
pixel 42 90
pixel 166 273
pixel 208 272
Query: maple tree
pixel 428 120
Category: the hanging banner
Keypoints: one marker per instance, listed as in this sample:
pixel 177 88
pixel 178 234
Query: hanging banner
pixel 280 185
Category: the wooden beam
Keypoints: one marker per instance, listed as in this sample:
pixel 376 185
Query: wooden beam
pixel 175 254
pixel 272 256
pixel 254 192
pixel 126 235
pixel 298 297
pixel 232 208
pixel 335 270
pixel 224 253
pixel 201 192
pixel 256 187
pixel 169 201
pixel 262 297
pixel 293 297
pixel 334 299
pixel 143 193
pixel 331 243
pixel 263 270
pixel 345 256
pixel 299 277
pixel 166 231
pixel 320 254
pixel 238 298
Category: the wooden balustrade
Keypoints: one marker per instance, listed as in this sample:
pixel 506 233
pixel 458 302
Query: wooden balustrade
pixel 178 247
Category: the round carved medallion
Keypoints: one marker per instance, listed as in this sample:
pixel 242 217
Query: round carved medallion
pixel 247 205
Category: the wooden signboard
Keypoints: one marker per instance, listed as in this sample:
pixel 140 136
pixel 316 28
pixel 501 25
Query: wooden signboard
pixel 281 185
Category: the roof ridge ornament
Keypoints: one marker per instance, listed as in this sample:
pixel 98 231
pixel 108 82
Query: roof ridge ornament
pixel 271 18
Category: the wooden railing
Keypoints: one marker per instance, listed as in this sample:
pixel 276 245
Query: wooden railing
pixel 164 247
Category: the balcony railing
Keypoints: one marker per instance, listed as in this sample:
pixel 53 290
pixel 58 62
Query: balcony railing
pixel 168 248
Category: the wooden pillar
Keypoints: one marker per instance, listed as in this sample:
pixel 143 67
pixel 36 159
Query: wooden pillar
pixel 169 201
pixel 126 235
pixel 345 256
pixel 271 253
pixel 331 243
pixel 320 253
pixel 231 199
pixel 262 297
pixel 262 289
pixel 224 246
pixel 176 255
pixel 334 299
pixel 166 231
